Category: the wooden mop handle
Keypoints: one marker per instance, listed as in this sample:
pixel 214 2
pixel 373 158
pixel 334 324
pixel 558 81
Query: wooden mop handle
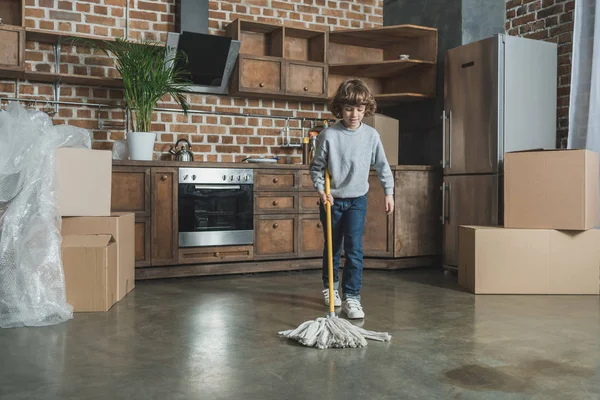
pixel 329 246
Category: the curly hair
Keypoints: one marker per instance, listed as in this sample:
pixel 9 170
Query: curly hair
pixel 352 92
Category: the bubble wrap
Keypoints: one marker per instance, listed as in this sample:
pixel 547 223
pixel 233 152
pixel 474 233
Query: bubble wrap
pixel 32 284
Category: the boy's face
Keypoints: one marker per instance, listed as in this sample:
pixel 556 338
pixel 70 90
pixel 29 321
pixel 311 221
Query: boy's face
pixel 352 116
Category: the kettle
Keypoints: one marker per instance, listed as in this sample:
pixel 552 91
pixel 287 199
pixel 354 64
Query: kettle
pixel 183 154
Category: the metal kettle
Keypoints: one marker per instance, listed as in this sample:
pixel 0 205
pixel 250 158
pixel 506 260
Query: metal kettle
pixel 184 153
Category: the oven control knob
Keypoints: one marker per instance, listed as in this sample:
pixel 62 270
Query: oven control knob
pixel 239 178
pixel 185 177
pixel 231 177
pixel 193 177
pixel 246 178
pixel 224 177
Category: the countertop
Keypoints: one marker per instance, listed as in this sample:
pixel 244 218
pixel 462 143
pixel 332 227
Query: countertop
pixel 202 164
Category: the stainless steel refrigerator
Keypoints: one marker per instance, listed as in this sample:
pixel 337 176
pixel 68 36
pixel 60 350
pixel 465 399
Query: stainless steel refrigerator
pixel 499 96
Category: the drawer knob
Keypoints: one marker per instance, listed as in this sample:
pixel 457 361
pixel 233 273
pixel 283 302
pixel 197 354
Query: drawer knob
pixel 163 178
pixel 217 254
pixel 275 225
pixel 261 84
pixel 275 202
pixel 318 225
pixel 275 180
pixel 305 89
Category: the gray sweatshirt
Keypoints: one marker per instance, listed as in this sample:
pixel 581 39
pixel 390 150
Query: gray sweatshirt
pixel 349 154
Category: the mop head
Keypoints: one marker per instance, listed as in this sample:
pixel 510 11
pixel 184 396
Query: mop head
pixel 333 332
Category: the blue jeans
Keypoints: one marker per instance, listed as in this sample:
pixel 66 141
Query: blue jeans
pixel 347 223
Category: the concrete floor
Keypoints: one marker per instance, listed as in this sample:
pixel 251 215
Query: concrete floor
pixel 216 338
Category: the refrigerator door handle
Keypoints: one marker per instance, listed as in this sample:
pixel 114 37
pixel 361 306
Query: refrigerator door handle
pixel 443 189
pixel 449 139
pixel 447 211
pixel 443 139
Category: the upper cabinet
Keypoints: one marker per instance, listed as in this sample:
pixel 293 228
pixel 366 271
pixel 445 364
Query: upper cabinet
pixel 277 61
pixel 397 62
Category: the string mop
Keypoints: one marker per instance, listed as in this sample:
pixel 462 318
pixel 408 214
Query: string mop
pixel 332 331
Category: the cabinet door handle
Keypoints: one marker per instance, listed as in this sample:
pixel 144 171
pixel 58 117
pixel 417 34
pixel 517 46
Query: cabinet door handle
pixel 275 225
pixel 261 84
pixel 163 178
pixel 305 89
pixel 443 139
pixel 443 189
pixel 275 180
pixel 318 225
pixel 217 254
pixel 275 202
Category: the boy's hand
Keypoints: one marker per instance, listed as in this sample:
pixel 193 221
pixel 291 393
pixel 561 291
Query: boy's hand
pixel 389 204
pixel 325 198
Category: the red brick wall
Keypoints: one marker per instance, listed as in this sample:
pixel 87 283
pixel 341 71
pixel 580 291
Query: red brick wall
pixel 550 20
pixel 213 138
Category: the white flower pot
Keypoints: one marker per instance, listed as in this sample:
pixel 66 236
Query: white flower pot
pixel 141 145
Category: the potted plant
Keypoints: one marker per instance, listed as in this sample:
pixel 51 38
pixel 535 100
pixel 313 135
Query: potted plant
pixel 149 71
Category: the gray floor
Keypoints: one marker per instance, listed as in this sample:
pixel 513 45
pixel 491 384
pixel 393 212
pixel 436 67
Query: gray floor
pixel 216 338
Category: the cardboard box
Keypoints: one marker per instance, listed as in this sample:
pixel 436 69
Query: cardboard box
pixel 90 266
pixel 388 131
pixel 552 189
pixel 496 260
pixel 84 182
pixel 122 227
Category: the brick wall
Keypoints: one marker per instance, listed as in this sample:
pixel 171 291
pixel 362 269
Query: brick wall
pixel 550 20
pixel 213 138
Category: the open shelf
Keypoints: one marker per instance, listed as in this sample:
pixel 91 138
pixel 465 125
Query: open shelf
pixel 52 37
pixel 382 69
pixel 384 36
pixel 70 79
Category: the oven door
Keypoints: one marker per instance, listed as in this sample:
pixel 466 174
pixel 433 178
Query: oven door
pixel 215 214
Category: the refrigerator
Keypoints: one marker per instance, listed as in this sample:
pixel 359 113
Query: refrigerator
pixel 500 95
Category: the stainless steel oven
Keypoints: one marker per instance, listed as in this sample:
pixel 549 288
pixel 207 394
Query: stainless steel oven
pixel 215 206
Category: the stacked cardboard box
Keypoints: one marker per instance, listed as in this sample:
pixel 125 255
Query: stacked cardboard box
pixel 550 243
pixel 97 245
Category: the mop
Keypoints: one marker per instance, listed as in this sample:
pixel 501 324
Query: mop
pixel 332 331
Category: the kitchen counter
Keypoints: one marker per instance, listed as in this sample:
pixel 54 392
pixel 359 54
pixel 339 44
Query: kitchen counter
pixel 202 164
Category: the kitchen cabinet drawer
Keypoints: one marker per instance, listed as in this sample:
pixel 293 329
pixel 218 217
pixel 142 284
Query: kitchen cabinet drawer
pixel 274 180
pixel 312 239
pixel 275 202
pixel 309 202
pixel 215 254
pixel 306 182
pixel 260 75
pixel 130 190
pixel 305 80
pixel 275 236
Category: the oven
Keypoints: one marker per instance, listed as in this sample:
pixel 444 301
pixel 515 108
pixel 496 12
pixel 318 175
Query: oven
pixel 215 206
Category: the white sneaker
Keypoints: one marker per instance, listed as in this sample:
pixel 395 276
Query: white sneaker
pixel 353 309
pixel 336 295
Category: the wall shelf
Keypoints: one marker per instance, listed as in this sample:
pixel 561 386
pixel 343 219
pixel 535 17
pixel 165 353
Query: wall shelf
pixel 383 69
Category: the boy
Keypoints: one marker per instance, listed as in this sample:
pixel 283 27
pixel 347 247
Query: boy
pixel 348 149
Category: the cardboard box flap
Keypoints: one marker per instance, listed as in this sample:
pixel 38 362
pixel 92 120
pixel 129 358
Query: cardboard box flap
pixel 87 240
pixel 540 149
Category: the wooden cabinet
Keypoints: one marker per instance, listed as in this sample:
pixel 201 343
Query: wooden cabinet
pixel 379 228
pixel 376 56
pixel 12 51
pixel 130 192
pixel 164 241
pixel 150 193
pixel 279 62
pixel 288 233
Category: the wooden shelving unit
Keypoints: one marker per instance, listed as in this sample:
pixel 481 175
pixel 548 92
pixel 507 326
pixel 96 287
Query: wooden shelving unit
pixel 374 55
pixel 279 62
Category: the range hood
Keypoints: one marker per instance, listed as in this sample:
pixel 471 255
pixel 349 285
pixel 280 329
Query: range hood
pixel 211 58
